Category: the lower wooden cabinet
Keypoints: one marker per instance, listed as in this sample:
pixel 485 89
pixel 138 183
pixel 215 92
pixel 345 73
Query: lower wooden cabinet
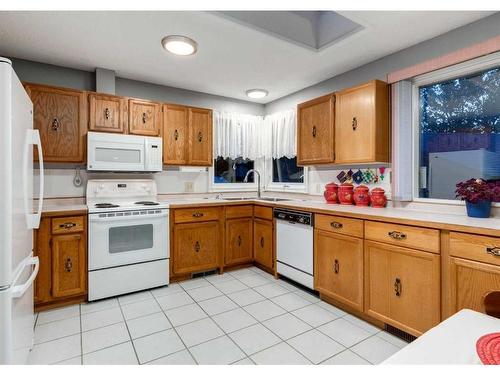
pixel 195 247
pixel 402 287
pixel 61 245
pixel 263 243
pixel 239 241
pixel 338 267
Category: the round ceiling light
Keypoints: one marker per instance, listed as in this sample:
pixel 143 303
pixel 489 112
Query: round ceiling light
pixel 179 45
pixel 256 93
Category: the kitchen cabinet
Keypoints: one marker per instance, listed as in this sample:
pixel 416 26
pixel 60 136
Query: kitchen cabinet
pixel 144 117
pixel 239 235
pixel 338 267
pixel 362 124
pixel 263 243
pixel 108 113
pixel 187 135
pixel 61 245
pixel 315 131
pixel 60 115
pixel 402 286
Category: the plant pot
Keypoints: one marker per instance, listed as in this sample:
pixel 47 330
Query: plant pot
pixel 479 209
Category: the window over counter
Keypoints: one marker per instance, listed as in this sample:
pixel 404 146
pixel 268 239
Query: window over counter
pixel 285 175
pixel 229 174
pixel 457 123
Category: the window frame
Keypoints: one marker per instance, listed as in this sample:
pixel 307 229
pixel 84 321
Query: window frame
pixel 451 72
pixel 290 187
pixel 235 186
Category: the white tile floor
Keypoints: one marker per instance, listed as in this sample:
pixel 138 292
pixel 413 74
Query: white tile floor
pixel 242 317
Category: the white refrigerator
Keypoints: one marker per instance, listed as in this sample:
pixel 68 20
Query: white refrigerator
pixel 18 266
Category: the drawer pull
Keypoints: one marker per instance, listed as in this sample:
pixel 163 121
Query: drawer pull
pixel 67 225
pixel 397 287
pixel 495 251
pixel 314 131
pixel 197 246
pixel 262 242
pixel 56 124
pixel 336 225
pixel 198 214
pixel 200 136
pixel 354 123
pixel 106 113
pixel 239 241
pixel 144 117
pixel 68 265
pixel 176 134
pixel 336 266
pixel 397 235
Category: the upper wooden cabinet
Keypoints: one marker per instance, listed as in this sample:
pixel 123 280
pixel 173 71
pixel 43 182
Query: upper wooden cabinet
pixel 144 117
pixel 315 131
pixel 60 115
pixel 362 124
pixel 108 113
pixel 187 135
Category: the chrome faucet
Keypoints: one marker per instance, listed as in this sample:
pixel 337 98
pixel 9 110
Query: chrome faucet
pixel 258 180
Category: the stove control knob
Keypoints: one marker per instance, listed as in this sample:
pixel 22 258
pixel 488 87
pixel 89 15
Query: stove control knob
pixel 301 219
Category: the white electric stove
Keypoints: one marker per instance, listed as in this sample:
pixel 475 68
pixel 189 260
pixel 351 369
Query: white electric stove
pixel 128 237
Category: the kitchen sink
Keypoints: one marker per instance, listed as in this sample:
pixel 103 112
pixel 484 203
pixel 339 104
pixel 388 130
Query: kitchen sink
pixel 274 199
pixel 237 198
pixel 267 199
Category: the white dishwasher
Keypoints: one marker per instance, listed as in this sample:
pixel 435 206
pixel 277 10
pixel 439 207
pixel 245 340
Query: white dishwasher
pixel 294 245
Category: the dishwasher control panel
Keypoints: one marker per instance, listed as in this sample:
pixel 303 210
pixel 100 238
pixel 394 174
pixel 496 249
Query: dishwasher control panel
pixel 299 217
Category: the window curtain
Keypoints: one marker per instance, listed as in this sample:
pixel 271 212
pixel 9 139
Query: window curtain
pixel 254 137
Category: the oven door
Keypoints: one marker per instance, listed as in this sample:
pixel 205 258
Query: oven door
pixel 121 238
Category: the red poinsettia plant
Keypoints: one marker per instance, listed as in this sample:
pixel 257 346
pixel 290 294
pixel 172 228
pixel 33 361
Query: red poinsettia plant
pixel 475 190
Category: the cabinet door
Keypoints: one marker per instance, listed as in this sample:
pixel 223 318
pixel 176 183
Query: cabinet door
pixel 60 117
pixel 144 117
pixel 338 270
pixel 69 270
pixel 42 251
pixel 195 247
pixel 175 134
pixel 315 143
pixel 200 137
pixel 263 243
pixel 402 287
pixel 362 125
pixel 239 237
pixel 108 113
pixel 470 282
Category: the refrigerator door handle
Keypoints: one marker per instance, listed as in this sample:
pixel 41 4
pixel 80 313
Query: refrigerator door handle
pixel 19 290
pixel 34 219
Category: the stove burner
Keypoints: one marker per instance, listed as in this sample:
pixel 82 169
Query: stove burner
pixel 147 203
pixel 106 205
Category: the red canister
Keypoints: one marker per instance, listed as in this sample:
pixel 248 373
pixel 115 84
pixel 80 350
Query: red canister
pixel 378 198
pixel 345 194
pixel 331 193
pixel 361 196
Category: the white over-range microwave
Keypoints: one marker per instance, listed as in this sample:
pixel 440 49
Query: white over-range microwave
pixel 123 153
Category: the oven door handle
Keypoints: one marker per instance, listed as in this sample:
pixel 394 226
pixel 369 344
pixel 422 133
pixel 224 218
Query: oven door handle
pixel 97 218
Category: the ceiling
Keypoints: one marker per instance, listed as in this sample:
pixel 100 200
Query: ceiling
pixel 232 57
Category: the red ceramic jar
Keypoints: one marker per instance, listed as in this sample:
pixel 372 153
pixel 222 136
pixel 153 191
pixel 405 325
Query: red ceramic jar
pixel 361 196
pixel 331 193
pixel 345 194
pixel 378 198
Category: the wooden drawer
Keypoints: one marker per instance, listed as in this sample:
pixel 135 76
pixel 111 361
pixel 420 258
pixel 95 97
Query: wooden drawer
pixel 262 212
pixel 338 224
pixel 71 224
pixel 186 215
pixel 233 212
pixel 474 247
pixel 403 235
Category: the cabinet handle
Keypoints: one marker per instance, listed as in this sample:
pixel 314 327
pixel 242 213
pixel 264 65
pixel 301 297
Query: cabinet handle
pixel 239 241
pixel 397 235
pixel 68 265
pixel 67 225
pixel 176 134
pixel 200 136
pixel 336 266
pixel 56 124
pixel 106 113
pixel 144 117
pixel 314 131
pixel 336 225
pixel 198 214
pixel 354 123
pixel 397 287
pixel 197 246
pixel 495 251
pixel 262 242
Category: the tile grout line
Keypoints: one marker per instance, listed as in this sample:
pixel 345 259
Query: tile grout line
pixel 81 333
pixel 128 331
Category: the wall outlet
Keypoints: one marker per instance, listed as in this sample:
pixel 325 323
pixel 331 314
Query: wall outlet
pixel 188 186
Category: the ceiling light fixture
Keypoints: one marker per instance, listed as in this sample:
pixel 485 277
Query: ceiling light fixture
pixel 179 45
pixel 257 93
